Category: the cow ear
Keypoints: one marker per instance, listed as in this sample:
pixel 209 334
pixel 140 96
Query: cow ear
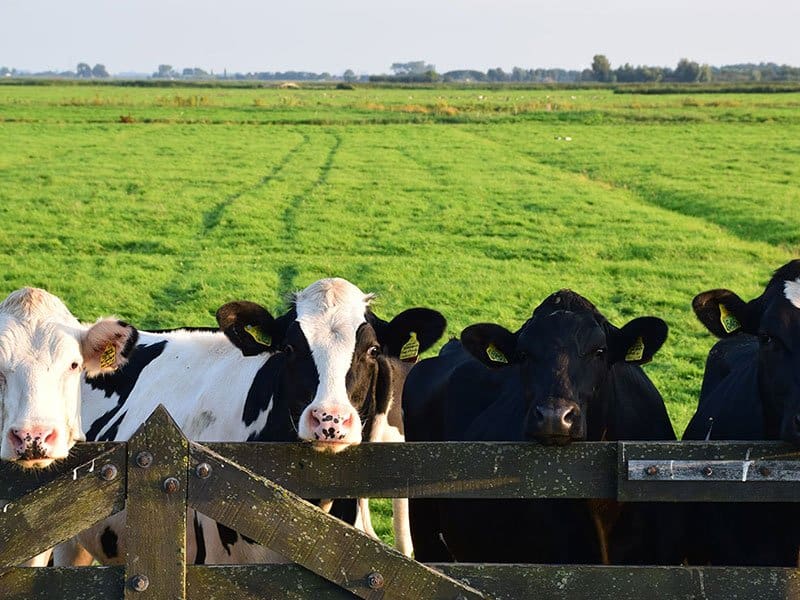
pixel 249 327
pixel 107 345
pixel 493 345
pixel 638 341
pixel 411 332
pixel 722 312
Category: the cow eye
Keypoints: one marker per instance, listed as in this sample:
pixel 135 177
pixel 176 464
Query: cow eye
pixel 522 355
pixel 600 352
pixel 373 351
pixel 766 339
pixel 288 348
pixel 74 366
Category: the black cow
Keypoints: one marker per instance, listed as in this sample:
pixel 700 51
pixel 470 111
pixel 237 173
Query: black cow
pixel 751 391
pixel 567 374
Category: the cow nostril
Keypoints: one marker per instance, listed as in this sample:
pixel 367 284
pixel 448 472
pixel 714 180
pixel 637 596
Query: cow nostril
pixel 17 441
pixel 569 416
pixel 50 438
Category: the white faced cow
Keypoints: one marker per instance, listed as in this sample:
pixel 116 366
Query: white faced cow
pixel 325 372
pixel 43 351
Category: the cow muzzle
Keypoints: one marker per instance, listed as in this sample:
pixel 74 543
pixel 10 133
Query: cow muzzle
pixel 556 423
pixel 33 447
pixel 331 427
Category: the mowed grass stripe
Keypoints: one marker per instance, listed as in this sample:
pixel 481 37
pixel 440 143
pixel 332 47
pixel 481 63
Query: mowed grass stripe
pixel 700 170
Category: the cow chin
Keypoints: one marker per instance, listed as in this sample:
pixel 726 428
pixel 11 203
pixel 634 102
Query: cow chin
pixel 332 447
pixel 34 463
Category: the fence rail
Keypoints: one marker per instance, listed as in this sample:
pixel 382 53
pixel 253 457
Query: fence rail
pixel 334 560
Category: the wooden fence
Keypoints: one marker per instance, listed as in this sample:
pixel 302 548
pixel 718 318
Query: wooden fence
pixel 251 488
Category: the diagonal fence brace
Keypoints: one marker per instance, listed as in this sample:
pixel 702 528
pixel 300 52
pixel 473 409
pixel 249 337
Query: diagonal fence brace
pixel 50 515
pixel 301 532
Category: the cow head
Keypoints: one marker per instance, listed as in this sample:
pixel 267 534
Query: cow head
pixel 337 356
pixel 563 354
pixel 43 351
pixel 774 317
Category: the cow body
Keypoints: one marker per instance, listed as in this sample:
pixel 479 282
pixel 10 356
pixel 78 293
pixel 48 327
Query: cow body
pixel 566 375
pixel 325 372
pixel 751 391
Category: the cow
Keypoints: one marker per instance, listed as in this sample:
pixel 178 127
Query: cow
pixel 750 391
pixel 44 350
pixel 325 372
pixel 566 375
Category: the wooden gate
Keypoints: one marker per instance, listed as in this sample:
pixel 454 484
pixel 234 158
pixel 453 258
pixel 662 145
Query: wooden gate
pixel 158 474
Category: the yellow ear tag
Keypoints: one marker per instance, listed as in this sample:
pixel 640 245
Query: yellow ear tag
pixel 109 357
pixel 258 335
pixel 729 322
pixel 636 351
pixel 410 350
pixel 495 355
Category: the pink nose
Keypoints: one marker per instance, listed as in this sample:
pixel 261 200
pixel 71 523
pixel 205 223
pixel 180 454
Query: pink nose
pixel 330 426
pixel 32 443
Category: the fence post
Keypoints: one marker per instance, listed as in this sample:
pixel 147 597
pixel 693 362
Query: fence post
pixel 156 506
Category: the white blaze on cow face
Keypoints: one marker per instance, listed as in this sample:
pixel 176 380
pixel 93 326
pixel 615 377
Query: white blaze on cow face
pixel 791 289
pixel 43 351
pixel 329 313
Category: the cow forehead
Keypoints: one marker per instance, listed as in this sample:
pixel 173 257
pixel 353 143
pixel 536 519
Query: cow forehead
pixel 562 327
pixel 36 341
pixel 331 310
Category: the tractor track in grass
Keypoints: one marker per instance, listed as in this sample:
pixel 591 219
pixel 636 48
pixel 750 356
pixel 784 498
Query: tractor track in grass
pixel 287 273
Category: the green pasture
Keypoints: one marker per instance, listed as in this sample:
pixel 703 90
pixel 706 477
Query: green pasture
pixel 158 205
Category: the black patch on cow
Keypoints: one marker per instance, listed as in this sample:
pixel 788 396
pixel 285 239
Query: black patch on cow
pixel 200 540
pixel 227 536
pixel 122 382
pixel 111 434
pixel 108 540
pixel 262 389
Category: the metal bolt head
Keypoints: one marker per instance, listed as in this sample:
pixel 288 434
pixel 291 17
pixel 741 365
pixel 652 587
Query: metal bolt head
pixel 764 471
pixel 144 459
pixel 139 583
pixel 203 470
pixel 375 580
pixel 708 471
pixel 171 485
pixel 651 470
pixel 108 472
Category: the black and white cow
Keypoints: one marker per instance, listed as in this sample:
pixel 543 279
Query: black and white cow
pixel 43 352
pixel 567 374
pixel 326 372
pixel 751 391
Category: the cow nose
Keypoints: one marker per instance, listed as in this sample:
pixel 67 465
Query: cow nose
pixel 556 420
pixel 32 443
pixel 330 426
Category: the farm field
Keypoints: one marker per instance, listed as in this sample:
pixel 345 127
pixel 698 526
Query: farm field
pixel 159 205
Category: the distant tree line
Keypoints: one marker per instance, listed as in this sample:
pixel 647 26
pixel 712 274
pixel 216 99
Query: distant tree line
pixel 600 70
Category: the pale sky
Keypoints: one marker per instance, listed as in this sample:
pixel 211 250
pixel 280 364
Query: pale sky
pixel 369 35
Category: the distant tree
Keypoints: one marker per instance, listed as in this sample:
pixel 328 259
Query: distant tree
pixel 349 75
pixel 601 68
pixel 5 71
pixel 496 75
pixel 687 71
pixel 706 73
pixel 165 72
pixel 99 71
pixel 415 67
pixel 83 70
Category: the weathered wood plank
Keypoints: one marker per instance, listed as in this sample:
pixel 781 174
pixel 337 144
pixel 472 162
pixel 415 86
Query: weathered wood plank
pixel 752 455
pixel 515 582
pixel 156 519
pixel 16 482
pixel 435 469
pixel 306 535
pixel 63 583
pixel 63 507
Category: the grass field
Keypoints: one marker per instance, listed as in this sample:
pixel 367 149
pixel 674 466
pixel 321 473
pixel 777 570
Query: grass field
pixel 158 205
